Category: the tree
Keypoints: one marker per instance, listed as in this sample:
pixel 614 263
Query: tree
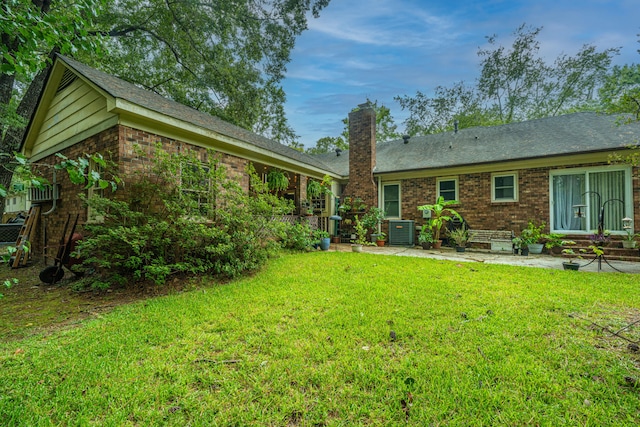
pixel 518 85
pixel 438 114
pixel 620 92
pixel 386 130
pixel 515 84
pixel 32 31
pixel 224 57
pixel 327 144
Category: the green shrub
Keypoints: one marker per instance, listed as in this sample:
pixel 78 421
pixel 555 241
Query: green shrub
pixel 181 216
pixel 296 236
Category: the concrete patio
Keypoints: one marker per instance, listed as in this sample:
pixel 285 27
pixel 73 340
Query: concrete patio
pixel 477 255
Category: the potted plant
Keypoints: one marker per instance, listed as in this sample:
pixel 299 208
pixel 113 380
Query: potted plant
pixel 277 180
pixel 629 240
pixel 360 237
pixel 380 238
pixel 317 189
pixel 571 264
pixel 425 238
pixel 345 206
pixel 314 189
pixel 519 246
pixel 440 213
pixel 359 205
pixel 372 219
pixel 600 240
pixel 532 237
pixel 553 243
pixel 323 237
pixel 460 237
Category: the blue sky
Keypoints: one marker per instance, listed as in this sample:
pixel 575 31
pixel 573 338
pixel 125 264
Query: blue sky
pixel 384 48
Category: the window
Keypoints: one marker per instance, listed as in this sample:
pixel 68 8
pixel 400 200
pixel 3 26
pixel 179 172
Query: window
pixel 391 200
pixel 504 187
pixel 585 187
pixel 319 204
pixel 448 188
pixel 196 186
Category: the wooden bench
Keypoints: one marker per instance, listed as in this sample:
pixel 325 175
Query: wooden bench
pixel 499 240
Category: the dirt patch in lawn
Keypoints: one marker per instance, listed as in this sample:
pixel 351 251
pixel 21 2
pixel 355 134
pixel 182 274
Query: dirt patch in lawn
pixel 31 306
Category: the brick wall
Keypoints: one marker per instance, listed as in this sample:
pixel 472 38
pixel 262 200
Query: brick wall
pixel 116 143
pixel 50 227
pixel 475 200
pixel 362 155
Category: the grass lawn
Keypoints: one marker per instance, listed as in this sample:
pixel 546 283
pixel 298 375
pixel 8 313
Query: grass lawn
pixel 326 339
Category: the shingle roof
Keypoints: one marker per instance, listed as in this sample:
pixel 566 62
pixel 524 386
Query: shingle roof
pixel 119 88
pixel 553 136
pixel 548 137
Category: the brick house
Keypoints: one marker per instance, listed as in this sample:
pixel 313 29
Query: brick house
pixel 502 176
pixel 82 110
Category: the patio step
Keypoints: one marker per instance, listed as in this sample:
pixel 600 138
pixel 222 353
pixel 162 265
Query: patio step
pixel 613 251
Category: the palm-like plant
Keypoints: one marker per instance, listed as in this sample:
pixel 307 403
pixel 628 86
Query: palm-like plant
pixel 440 213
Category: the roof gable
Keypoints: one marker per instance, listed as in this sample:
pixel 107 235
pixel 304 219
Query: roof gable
pixel 69 110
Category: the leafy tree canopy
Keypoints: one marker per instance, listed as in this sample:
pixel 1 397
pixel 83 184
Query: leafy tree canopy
pixel 620 92
pixel 225 57
pixel 515 84
pixel 386 130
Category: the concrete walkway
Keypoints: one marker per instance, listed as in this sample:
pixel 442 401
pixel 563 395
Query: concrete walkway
pixel 478 255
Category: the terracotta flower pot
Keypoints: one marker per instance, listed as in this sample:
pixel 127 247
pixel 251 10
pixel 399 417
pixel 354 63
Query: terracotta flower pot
pixel 437 244
pixel 380 242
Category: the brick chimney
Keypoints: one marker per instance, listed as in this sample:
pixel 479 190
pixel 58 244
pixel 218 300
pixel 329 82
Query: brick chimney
pixel 362 155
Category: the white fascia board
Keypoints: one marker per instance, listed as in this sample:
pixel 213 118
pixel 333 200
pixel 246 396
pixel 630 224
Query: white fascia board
pixel 552 161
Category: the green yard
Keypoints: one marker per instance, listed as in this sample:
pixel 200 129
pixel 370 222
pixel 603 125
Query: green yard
pixel 308 342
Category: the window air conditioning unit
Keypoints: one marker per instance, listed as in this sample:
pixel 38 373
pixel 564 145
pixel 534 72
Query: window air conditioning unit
pixel 48 193
pixel 401 232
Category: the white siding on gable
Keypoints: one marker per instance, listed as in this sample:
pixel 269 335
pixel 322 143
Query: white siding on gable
pixel 73 110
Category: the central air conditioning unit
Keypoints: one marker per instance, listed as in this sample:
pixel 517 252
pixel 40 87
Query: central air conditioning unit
pixel 401 232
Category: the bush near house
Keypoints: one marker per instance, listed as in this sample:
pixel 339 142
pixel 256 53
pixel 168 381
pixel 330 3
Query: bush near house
pixel 180 215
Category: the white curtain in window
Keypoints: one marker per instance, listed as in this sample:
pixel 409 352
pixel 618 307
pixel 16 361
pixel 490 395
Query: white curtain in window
pixel 567 191
pixel 611 187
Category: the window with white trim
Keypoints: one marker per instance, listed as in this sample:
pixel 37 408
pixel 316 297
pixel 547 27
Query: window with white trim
pixel 504 187
pixel 391 200
pixel 447 188
pixel 594 187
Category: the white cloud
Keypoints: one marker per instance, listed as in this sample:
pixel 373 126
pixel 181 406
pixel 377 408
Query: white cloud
pixel 393 24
